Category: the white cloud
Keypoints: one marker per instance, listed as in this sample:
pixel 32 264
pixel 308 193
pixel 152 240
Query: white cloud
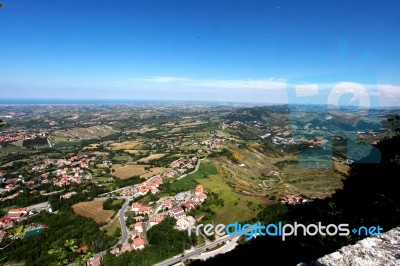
pixel 271 89
pixel 268 84
pixel 358 91
pixel 260 84
pixel 389 94
pixel 307 90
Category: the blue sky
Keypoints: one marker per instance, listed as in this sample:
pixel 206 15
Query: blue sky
pixel 195 50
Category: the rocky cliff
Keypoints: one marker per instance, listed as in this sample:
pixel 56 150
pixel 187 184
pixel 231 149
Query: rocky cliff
pixel 371 251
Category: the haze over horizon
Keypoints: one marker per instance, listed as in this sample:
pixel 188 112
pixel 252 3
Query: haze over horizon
pixel 236 51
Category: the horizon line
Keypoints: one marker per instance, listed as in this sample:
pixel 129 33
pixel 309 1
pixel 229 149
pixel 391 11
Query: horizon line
pixel 89 101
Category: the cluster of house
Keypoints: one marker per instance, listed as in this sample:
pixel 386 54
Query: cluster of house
pixel 183 164
pixel 141 209
pixel 179 166
pixel 68 170
pixel 167 205
pixel 169 174
pixel 210 145
pixel 138 230
pixel 143 188
pixel 12 216
pixel 137 241
pixel 15 215
pixel 20 135
pixel 292 199
pixel 179 212
pixel 283 141
pixel 10 183
pixel 12 196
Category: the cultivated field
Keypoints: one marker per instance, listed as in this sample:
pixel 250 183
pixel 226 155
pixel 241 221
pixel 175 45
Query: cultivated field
pixel 154 171
pixel 258 173
pixel 94 210
pixel 341 167
pixel 92 146
pixel 135 151
pixel 126 171
pixel 61 142
pixel 126 145
pixel 142 130
pixel 100 153
pixel 86 133
pixel 152 157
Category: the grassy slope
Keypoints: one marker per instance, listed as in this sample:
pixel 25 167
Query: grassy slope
pixel 236 206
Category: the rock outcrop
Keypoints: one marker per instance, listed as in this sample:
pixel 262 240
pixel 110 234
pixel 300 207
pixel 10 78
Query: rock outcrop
pixel 371 251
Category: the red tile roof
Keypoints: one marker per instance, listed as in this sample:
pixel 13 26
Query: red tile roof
pixel 82 249
pixel 137 242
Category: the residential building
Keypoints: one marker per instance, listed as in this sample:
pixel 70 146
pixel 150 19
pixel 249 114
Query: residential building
pixel 139 227
pixel 167 204
pixel 198 190
pixel 136 206
pixel 138 243
pixel 156 219
pixel 177 213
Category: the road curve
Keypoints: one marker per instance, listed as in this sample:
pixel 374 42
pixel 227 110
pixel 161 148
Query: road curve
pixel 124 229
pixel 194 171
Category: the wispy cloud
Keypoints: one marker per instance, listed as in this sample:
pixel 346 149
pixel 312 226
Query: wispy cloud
pixel 269 83
pixel 269 89
pixel 389 94
pixel 261 84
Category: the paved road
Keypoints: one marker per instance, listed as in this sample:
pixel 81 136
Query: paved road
pixel 194 253
pixel 106 194
pixel 224 249
pixel 116 197
pixel 110 192
pixel 124 229
pixel 49 143
pixel 51 193
pixel 194 171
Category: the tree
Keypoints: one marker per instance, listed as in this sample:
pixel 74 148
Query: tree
pixel 20 231
pixel 67 253
pixel 394 122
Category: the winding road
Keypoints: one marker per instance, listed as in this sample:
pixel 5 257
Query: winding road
pixel 124 228
pixel 194 171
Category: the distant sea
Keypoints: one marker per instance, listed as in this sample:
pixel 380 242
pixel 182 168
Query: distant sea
pixel 80 101
pixel 132 101
pixel 115 101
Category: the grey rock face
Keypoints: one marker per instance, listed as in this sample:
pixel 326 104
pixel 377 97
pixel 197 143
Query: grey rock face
pixel 371 251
